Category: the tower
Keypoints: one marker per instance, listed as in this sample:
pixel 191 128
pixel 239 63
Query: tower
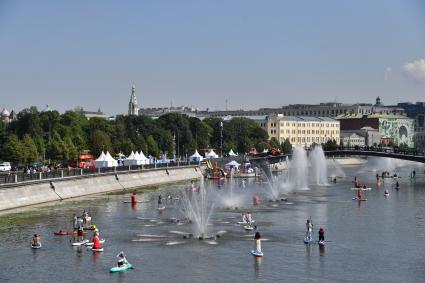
pixel 133 106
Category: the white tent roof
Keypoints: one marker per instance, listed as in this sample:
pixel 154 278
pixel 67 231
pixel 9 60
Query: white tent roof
pixel 211 154
pixel 142 156
pixel 137 155
pixel 132 156
pixel 231 153
pixel 196 154
pixel 232 163
pixel 102 157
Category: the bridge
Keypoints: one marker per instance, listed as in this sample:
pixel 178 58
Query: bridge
pixel 417 157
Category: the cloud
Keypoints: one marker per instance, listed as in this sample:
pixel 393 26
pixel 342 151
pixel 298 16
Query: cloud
pixel 416 70
pixel 387 73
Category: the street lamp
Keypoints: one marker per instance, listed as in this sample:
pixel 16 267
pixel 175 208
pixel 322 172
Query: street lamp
pixel 221 138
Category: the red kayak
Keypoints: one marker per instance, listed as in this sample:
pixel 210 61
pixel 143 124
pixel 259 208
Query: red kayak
pixel 64 233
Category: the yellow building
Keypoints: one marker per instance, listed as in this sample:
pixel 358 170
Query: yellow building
pixel 302 130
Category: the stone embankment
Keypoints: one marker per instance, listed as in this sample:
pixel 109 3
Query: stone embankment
pixel 36 192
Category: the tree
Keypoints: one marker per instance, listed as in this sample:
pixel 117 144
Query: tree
pixel 152 146
pixel 274 142
pixel 30 152
pixel 330 145
pixel 286 146
pixel 100 141
pixel 12 150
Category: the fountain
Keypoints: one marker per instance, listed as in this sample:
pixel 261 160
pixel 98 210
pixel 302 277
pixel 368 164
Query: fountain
pixel 298 169
pixel 230 199
pixel 273 191
pixel 319 166
pixel 198 209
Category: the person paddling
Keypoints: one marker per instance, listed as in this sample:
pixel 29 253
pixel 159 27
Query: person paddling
pixel 133 198
pixel 309 226
pixel 36 240
pixel 121 259
pixel 321 234
pixel 159 201
pixel 257 239
pixel 96 240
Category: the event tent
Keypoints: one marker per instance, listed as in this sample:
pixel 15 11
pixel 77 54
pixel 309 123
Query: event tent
pixel 114 163
pixel 211 154
pixel 196 156
pixel 131 159
pixel 231 153
pixel 232 164
pixel 103 161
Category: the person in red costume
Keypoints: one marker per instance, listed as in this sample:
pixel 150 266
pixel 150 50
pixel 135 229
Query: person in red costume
pixel 96 241
pixel 133 198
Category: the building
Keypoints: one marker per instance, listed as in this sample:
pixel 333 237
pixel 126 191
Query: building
pixel 92 114
pixel 399 128
pixel 417 112
pixel 371 136
pixel 301 130
pixel 133 106
pixel 352 140
pixel 331 109
pixel 7 117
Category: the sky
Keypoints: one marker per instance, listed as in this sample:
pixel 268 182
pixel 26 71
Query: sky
pixel 203 53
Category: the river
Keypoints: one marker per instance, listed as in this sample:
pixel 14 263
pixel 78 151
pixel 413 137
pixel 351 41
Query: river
pixel 379 240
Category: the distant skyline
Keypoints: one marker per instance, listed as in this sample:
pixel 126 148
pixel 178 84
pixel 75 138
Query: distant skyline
pixel 201 53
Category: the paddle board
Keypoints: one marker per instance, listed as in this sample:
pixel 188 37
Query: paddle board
pixel 308 241
pixel 121 268
pixel 248 228
pixel 35 246
pixel 257 253
pixel 244 222
pixel 363 199
pixel 91 243
pixel 161 208
pixel 80 243
pixel 97 250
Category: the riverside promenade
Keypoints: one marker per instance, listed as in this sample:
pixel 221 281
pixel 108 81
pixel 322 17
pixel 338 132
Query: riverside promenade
pixel 42 188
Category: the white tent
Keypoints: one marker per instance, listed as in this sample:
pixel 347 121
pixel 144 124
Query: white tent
pixel 211 154
pixel 232 164
pixel 142 158
pixel 113 162
pixel 131 159
pixel 231 153
pixel 101 161
pixel 196 156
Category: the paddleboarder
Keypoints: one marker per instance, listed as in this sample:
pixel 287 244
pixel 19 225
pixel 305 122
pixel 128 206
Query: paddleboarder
pixel 133 198
pixel 159 201
pixel 36 240
pixel 309 226
pixel 257 239
pixel 121 259
pixel 321 234
pixel 96 240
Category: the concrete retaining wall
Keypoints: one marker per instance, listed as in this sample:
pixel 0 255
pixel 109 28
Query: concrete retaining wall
pixel 36 193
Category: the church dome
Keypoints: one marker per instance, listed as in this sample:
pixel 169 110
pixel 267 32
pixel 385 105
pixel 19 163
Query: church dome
pixel 5 113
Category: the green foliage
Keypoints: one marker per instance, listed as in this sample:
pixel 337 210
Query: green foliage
pixel 60 138
pixel 286 147
pixel 274 142
pixel 29 150
pixel 13 150
pixel 152 146
pixel 330 145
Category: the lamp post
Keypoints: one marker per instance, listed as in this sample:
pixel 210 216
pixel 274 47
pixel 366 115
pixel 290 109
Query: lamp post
pixel 221 138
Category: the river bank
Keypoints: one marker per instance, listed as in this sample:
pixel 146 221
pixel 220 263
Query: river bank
pixel 31 193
